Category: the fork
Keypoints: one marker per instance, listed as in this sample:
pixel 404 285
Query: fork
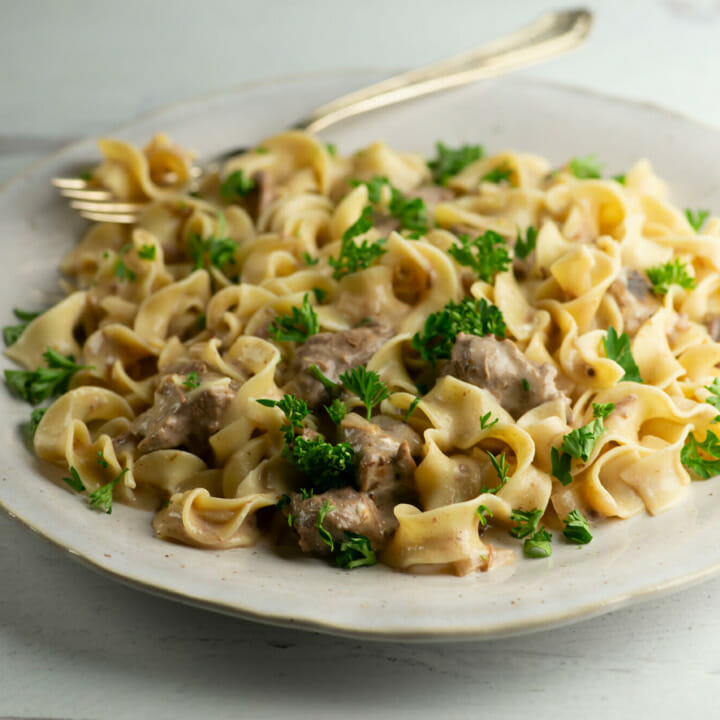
pixel 551 35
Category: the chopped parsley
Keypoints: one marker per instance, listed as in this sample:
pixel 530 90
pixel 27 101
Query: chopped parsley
pixel 374 187
pixel 366 384
pixel 671 273
pixel 526 522
pixel 308 259
pixel 35 417
pixel 475 317
pixel 696 218
pixel 147 252
pixel 501 468
pixel 102 498
pixel 714 399
pixel 707 464
pixel 411 213
pixel 486 255
pixel 524 247
pixel 579 443
pixel 11 333
pixel 336 411
pixel 325 465
pixel 325 536
pixel 561 464
pixel 102 462
pixel 34 386
pixel 486 423
pixel 483 512
pixel 525 384
pixel 283 502
pixel 450 161
pixel 538 545
pixel 617 348
pixel 331 148
pixel 75 481
pixel 320 294
pixel 295 411
pixel 602 410
pixel 355 551
pixel 411 409
pixel 122 271
pixel 301 324
pixel 577 529
pixel 236 185
pixel 219 251
pixel 619 178
pixel 354 257
pixel 586 168
pixel 502 173
pixel 191 381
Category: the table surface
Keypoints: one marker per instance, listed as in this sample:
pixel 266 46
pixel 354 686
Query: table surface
pixel 78 645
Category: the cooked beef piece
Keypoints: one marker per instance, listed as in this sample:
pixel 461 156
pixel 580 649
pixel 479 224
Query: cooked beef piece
pixel 517 383
pixel 353 511
pixel 182 416
pixel 333 353
pixel 637 303
pixel 385 465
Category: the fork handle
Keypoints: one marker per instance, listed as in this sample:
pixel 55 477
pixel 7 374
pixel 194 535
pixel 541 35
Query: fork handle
pixel 552 34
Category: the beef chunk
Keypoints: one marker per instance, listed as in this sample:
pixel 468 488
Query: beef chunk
pixel 637 303
pixel 385 465
pixel 498 366
pixel 182 416
pixel 333 353
pixel 353 511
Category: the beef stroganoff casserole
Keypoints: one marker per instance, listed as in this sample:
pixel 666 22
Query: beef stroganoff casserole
pixel 380 358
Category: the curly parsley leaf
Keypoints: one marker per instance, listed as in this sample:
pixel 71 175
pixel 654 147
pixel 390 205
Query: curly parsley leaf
pixel 147 252
pixel 217 250
pixel 526 522
pixel 236 185
pixel 353 256
pixel 502 173
pixel 580 442
pixel 450 161
pixel 501 468
pixel 586 168
pixel 714 399
pixel 301 324
pixel 367 385
pixel 483 512
pixel 602 410
pixel 326 466
pixel 355 551
pixel 336 411
pixel 325 536
pixel 538 545
pixel 75 481
pixel 561 464
pixel 577 529
pixel 475 317
pixel 617 348
pixel 34 386
pixel 11 333
pixel 696 218
pixel 295 411
pixel 191 381
pixel 102 498
pixel 374 187
pixel 702 458
pixel 523 247
pixel 486 255
pixel 671 273
pixel 410 212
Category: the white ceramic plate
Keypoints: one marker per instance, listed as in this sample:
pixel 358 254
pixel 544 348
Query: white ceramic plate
pixel 625 562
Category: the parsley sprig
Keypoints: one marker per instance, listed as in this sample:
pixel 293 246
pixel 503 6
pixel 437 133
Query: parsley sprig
pixel 524 247
pixel 326 466
pixel 617 348
pixel 367 385
pixel 236 185
pixel 355 551
pixel 410 212
pixel 586 168
pixel 301 324
pixel 325 536
pixel 11 333
pixel 486 255
pixel 577 529
pixel 353 256
pixel 295 411
pixel 475 317
pixel 217 250
pixel 696 218
pixel 37 385
pixel 526 522
pixel 450 161
pixel 501 173
pixel 501 468
pixel 336 410
pixel 671 273
pixel 102 498
pixel 702 458
pixel 714 398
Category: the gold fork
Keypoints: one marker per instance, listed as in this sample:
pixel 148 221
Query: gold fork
pixel 551 35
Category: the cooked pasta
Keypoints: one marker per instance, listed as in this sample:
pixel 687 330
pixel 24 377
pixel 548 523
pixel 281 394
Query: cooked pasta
pixel 377 358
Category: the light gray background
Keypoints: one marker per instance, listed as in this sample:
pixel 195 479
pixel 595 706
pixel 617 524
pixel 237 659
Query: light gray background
pixel 77 645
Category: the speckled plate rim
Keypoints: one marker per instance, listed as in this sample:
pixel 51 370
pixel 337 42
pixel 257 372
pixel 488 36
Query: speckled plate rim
pixel 387 633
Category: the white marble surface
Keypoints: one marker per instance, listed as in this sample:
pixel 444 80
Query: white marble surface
pixel 77 645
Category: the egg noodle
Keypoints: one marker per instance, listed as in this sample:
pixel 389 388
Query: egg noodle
pixel 439 349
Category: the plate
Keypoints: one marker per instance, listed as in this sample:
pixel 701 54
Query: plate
pixel 627 561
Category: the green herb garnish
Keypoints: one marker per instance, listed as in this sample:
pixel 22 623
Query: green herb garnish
pixel 483 512
pixel 102 498
pixel 147 252
pixel 617 348
pixel 295 411
pixel 355 551
pixel 561 464
pixel 524 247
pixel 696 218
pixel 526 522
pixel 450 162
pixel 714 399
pixel 75 481
pixel 191 381
pixel 411 409
pixel 237 185
pixel 586 168
pixel 354 257
pixel 301 324
pixel 577 529
pixel 326 466
pixel 35 417
pixel 502 173
pixel 486 423
pixel 325 536
pixel 538 545
pixel 501 468
pixel 486 255
pixel 703 466
pixel 671 273
pixel 366 384
pixel 11 333
pixel 336 411
pixel 122 271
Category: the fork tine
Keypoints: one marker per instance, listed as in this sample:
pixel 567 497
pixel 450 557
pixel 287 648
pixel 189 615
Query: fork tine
pixel 86 194
pixel 108 207
pixel 70 183
pixel 123 219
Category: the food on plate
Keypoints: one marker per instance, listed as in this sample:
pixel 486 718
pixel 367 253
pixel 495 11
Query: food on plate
pixel 380 358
